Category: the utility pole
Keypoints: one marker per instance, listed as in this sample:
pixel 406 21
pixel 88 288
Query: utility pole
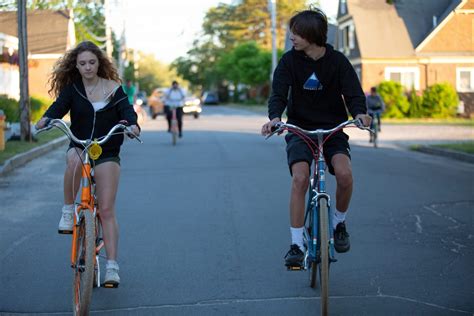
pixel 108 29
pixel 23 61
pixel 273 27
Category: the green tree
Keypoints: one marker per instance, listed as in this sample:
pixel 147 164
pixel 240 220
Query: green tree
pixel 153 73
pixel 199 67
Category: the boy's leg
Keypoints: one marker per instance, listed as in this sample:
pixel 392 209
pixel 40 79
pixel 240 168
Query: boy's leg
pixel 343 172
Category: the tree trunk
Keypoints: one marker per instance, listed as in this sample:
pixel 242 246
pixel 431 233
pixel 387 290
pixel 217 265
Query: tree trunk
pixel 23 60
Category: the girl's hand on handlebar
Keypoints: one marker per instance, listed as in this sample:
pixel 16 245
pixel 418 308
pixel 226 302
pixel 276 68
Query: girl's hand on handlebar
pixel 267 127
pixel 365 119
pixel 42 122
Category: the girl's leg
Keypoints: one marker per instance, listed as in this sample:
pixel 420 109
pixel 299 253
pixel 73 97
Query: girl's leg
pixel 107 176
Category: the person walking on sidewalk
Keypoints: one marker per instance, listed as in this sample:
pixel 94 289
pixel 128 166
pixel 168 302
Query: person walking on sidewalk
pixel 174 98
pixel 311 81
pixel 86 84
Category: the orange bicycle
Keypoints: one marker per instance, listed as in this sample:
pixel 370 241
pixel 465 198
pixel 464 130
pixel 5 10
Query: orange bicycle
pixel 87 239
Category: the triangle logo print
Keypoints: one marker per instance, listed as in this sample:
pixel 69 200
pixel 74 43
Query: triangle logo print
pixel 313 83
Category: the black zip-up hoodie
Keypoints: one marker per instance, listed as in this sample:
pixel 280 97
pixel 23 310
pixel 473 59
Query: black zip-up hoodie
pixel 313 91
pixel 86 122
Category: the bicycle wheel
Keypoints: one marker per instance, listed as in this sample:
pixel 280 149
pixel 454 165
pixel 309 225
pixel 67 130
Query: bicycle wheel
pixel 84 265
pixel 99 244
pixel 376 133
pixel 313 264
pixel 324 250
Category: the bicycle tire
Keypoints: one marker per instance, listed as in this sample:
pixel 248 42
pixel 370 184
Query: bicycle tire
pixel 84 265
pixel 324 251
pixel 98 242
pixel 376 133
pixel 313 266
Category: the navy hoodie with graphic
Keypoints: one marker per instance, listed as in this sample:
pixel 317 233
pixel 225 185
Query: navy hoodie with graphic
pixel 314 92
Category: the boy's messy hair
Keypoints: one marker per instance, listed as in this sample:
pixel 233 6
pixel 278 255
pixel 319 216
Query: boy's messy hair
pixel 311 24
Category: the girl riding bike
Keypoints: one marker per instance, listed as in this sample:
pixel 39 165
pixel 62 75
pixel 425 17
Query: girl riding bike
pixel 87 85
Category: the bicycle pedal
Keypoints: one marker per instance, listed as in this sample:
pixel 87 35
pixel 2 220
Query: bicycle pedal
pixel 110 285
pixel 65 232
pixel 294 268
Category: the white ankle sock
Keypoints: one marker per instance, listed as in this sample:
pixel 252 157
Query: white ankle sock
pixel 338 217
pixel 112 264
pixel 68 208
pixel 297 236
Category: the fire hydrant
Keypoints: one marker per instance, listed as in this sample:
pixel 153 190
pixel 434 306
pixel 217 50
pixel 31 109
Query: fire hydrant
pixel 2 130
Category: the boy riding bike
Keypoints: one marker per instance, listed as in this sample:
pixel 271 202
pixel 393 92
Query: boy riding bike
pixel 314 82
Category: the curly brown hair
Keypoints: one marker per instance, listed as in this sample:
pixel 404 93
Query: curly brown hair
pixel 65 71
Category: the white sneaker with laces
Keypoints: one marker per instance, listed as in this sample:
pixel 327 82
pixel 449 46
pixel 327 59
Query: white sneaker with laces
pixel 112 278
pixel 66 222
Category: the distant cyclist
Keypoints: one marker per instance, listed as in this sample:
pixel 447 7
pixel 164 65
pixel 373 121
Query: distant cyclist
pixel 174 98
pixel 375 105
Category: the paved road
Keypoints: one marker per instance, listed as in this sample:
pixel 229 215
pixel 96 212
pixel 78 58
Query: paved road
pixel 204 227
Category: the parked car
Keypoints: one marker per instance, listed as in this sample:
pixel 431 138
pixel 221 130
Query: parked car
pixel 192 105
pixel 142 98
pixel 156 102
pixel 210 98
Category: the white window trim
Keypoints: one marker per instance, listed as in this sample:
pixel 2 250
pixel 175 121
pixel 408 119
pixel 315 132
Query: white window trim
pixel 346 47
pixel 458 79
pixel 416 70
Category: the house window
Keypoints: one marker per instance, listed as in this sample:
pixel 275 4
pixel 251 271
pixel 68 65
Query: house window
pixel 409 77
pixel 347 38
pixel 343 7
pixel 465 79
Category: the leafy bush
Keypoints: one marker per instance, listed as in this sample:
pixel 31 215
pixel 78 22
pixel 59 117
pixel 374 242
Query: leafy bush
pixel 396 102
pixel 38 105
pixel 416 105
pixel 11 108
pixel 440 101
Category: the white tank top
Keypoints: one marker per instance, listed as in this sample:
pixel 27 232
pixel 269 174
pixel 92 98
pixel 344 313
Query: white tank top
pixel 99 105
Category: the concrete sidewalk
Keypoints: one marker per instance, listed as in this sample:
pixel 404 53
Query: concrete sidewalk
pixel 21 159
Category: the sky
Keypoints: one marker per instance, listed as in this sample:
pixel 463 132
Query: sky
pixel 167 28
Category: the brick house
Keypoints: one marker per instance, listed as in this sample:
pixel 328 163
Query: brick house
pixel 415 42
pixel 50 34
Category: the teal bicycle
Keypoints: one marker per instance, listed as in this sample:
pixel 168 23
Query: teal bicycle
pixel 318 232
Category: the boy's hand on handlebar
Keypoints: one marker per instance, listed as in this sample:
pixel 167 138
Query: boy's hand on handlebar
pixel 267 127
pixel 135 130
pixel 365 119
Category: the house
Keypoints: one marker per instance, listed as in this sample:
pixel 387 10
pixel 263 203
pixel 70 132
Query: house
pixel 50 34
pixel 9 70
pixel 415 42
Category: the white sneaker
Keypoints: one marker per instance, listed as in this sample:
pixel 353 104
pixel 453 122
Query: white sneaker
pixel 112 278
pixel 66 222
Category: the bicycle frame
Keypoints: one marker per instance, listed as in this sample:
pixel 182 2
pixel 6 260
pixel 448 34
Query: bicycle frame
pixel 317 190
pixel 87 203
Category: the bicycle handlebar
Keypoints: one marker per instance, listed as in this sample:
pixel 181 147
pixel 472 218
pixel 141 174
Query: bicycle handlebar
pixel 60 124
pixel 280 127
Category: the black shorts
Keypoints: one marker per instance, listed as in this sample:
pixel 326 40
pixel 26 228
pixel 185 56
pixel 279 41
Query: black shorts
pixel 297 150
pixel 104 157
